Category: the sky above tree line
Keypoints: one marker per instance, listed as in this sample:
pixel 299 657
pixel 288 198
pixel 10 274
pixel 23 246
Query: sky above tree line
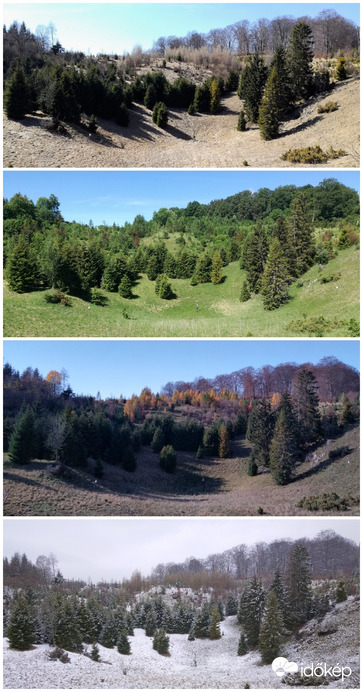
pixel 117 27
pixel 116 368
pixel 118 196
pixel 113 549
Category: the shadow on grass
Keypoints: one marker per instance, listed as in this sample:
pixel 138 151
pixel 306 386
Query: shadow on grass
pixel 324 464
pixel 26 481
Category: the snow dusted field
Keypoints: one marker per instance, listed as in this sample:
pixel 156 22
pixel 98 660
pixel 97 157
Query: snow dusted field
pixel 191 665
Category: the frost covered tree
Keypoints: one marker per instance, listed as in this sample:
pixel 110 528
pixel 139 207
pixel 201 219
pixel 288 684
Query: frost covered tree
pixel 251 610
pixel 298 585
pixel 161 641
pixel 123 644
pixel 214 627
pixel 21 625
pixel 271 631
pixel 242 645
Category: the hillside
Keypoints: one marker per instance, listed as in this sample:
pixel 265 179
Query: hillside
pixel 201 141
pixel 315 309
pixel 227 490
pixel 198 664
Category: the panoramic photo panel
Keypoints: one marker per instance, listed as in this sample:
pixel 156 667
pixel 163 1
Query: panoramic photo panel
pixel 182 604
pixel 181 254
pixel 173 85
pixel 172 428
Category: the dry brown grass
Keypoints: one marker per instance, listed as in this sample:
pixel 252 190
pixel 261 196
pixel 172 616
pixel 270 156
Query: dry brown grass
pixel 201 141
pixel 228 490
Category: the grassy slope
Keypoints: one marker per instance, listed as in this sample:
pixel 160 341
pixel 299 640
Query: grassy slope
pixel 228 490
pixel 220 314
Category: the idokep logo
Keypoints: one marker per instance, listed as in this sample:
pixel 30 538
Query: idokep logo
pixel 281 666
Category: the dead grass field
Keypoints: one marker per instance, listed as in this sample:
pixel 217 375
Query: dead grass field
pixel 201 141
pixel 227 490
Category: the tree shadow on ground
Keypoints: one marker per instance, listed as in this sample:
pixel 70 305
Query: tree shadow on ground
pixel 300 128
pixel 321 466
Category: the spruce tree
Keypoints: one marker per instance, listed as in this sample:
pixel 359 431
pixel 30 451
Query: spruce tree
pixel 271 630
pixel 255 254
pixel 269 112
pixel 125 287
pixel 281 232
pixel 22 270
pixel 201 624
pixel 242 645
pixel 284 98
pixel 150 624
pixel 158 441
pixel 283 451
pixel 161 642
pixel 123 644
pixel 301 235
pixel 214 627
pixel 215 98
pixel 306 402
pixel 341 592
pixel 68 635
pixel 224 449
pixel 251 85
pixel 275 278
pixel 168 459
pixel 241 122
pixel 251 611
pixel 245 292
pixel 298 586
pixel 16 95
pixel 232 605
pixel 22 438
pixel 150 97
pixel 300 57
pixel 278 587
pixel 21 624
pixel 341 72
pixel 217 266
pixel 95 653
pixel 260 430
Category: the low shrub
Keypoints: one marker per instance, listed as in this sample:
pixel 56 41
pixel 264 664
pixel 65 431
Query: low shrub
pixel 312 155
pixel 328 107
pixel 59 654
pixel 326 502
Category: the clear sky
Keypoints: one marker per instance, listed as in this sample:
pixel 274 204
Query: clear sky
pixel 118 27
pixel 126 367
pixel 118 196
pixel 115 548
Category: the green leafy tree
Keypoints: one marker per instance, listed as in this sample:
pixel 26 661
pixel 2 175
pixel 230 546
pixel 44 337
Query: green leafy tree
pixel 21 624
pixel 252 83
pixel 300 57
pixel 275 278
pixel 269 112
pixel 271 632
pixel 282 233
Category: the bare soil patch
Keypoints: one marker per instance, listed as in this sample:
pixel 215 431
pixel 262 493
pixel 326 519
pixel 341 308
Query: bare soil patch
pixel 201 141
pixel 227 490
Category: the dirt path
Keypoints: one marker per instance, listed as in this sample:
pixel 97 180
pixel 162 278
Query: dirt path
pixel 202 141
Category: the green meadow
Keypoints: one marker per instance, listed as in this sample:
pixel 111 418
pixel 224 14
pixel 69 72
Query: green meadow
pixel 319 309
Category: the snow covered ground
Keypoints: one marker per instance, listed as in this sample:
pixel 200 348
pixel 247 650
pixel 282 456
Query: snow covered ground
pixel 202 664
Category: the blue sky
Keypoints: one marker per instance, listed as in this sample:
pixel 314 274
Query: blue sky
pixel 125 367
pixel 118 196
pixel 118 27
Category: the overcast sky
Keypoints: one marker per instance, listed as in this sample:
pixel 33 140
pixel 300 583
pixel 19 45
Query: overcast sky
pixel 118 196
pixel 126 367
pixel 114 548
pixel 117 27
